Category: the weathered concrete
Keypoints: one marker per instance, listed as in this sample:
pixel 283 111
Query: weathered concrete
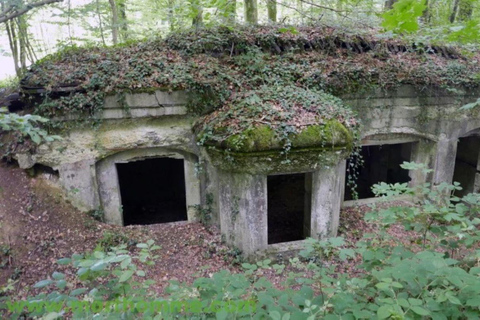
pixel 109 188
pixel 156 124
pixel 79 181
pixel 243 210
pixel 327 197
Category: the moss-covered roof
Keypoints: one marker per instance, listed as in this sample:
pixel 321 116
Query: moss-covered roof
pixel 248 77
pixel 246 56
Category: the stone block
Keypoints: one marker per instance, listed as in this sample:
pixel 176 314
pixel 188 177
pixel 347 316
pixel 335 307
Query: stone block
pixel 111 102
pixel 171 98
pixel 136 100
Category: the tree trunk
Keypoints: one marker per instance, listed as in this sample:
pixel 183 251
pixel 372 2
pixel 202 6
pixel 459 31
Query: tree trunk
pixel 454 11
pixel 426 12
pixel 251 11
pixel 122 16
pixel 12 41
pixel 100 22
pixel 272 10
pixel 197 13
pixel 115 23
pixel 171 21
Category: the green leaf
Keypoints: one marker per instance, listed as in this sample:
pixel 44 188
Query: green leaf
pixel 222 315
pixel 43 283
pixel 52 316
pixel 64 261
pixel 57 275
pixel 77 292
pixel 100 265
pixel 140 273
pixel 420 311
pixel 384 312
pixel 127 274
pixel 82 271
pixel 275 315
pixel 61 284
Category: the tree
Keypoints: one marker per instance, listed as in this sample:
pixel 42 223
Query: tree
pixel 11 9
pixel 251 11
pixel 272 10
pixel 119 20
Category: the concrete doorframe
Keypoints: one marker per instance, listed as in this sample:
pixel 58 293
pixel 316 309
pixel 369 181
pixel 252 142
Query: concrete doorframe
pixel 109 187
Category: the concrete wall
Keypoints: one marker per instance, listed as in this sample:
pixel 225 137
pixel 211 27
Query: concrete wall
pixel 429 117
pixel 139 126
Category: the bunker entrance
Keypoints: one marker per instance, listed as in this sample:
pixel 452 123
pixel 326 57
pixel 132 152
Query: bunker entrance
pixel 288 207
pixel 152 191
pixel 466 165
pixel 380 164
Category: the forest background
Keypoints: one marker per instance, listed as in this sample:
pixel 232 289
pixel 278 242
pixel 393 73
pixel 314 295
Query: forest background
pixel 32 29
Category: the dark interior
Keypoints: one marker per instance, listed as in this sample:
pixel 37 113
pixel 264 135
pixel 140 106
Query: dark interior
pixel 286 204
pixel 152 191
pixel 466 162
pixel 380 164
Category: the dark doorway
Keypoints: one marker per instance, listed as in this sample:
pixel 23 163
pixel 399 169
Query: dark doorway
pixel 152 191
pixel 380 164
pixel 466 163
pixel 287 199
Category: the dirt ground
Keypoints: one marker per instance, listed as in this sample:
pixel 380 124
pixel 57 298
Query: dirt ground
pixel 38 227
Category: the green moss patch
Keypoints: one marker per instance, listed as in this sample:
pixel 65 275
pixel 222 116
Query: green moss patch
pixel 280 118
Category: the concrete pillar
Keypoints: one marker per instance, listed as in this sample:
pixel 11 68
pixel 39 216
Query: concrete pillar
pixel 79 181
pixel 307 225
pixel 109 190
pixel 328 185
pixel 445 160
pixel 424 151
pixel 243 207
pixel 192 187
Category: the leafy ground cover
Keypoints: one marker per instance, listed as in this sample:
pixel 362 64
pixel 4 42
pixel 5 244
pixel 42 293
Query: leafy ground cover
pixel 398 261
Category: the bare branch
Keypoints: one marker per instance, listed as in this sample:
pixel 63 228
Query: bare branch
pixel 12 12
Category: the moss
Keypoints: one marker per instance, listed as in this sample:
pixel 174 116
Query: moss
pixel 267 162
pixel 264 138
pixel 331 134
pixel 254 139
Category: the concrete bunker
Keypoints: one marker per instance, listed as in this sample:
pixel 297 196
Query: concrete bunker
pixel 381 163
pixel 255 131
pixel 466 170
pixel 145 186
pixel 152 191
pixel 289 203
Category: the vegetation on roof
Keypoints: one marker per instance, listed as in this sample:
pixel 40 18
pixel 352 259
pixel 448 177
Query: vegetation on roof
pixel 245 73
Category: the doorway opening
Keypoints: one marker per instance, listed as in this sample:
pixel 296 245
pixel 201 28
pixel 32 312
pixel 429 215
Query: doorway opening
pixel 381 163
pixel 152 191
pixel 466 164
pixel 288 207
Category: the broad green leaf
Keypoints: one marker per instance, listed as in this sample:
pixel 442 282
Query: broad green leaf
pixel 127 274
pixel 420 311
pixel 43 283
